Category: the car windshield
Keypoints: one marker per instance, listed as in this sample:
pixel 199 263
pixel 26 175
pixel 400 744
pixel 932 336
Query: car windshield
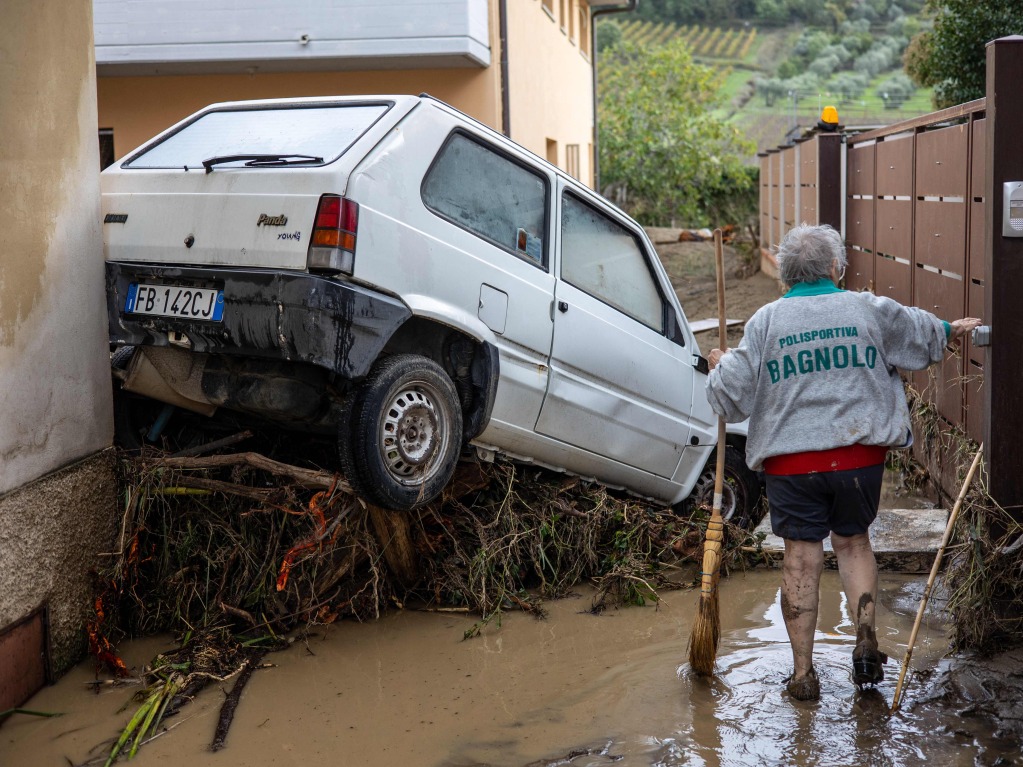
pixel 317 131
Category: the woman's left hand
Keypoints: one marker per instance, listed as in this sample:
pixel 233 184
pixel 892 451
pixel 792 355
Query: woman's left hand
pixel 961 327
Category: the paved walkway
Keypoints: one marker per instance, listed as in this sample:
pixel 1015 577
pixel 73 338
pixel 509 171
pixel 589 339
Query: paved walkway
pixel 904 540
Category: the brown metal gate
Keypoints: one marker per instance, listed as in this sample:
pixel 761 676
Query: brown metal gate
pixel 920 205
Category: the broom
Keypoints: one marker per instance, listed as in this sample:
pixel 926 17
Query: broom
pixel 703 642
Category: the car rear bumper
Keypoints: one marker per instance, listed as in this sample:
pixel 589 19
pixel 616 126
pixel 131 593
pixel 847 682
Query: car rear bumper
pixel 267 313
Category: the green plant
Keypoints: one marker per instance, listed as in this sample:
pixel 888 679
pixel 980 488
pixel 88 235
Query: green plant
pixel 663 155
pixel 951 56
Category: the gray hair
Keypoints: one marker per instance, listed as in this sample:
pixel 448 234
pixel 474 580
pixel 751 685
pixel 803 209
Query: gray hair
pixel 807 252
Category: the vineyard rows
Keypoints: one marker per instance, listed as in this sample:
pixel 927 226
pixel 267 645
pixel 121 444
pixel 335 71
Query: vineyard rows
pixel 706 42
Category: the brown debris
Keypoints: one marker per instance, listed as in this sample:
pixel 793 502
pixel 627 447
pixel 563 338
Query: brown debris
pixel 234 551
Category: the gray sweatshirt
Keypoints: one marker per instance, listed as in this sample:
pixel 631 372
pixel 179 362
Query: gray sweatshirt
pixel 818 369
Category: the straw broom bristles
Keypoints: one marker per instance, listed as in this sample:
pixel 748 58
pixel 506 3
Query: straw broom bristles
pixel 703 641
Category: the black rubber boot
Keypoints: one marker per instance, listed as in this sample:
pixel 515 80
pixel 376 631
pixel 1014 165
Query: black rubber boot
pixel 805 688
pixel 867 659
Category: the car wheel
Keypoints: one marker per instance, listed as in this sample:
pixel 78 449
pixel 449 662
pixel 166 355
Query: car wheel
pixel 401 435
pixel 133 414
pixel 742 493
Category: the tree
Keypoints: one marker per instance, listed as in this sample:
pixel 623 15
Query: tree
pixel 951 56
pixel 895 90
pixel 664 155
pixel 848 86
pixel 609 34
pixel 771 88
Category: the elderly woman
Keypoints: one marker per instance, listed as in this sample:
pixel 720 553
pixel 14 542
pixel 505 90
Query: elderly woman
pixel 817 374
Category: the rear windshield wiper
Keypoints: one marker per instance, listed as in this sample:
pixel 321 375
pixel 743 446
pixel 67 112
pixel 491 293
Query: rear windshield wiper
pixel 261 160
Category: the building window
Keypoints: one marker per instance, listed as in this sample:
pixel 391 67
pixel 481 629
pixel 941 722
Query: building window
pixel 563 15
pixel 572 159
pixel 584 29
pixel 552 151
pixel 548 5
pixel 106 148
pixel 571 20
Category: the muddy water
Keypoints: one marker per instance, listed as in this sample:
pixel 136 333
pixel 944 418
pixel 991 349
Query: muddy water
pixel 406 690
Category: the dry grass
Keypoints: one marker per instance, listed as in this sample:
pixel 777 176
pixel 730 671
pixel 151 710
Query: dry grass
pixel 984 570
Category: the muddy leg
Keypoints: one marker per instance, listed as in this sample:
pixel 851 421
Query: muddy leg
pixel 800 595
pixel 858 568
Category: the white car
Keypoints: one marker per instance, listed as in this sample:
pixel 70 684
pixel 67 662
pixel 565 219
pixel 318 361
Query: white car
pixel 389 270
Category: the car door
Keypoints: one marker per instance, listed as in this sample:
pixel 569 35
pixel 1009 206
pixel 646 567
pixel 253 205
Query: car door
pixel 492 212
pixel 621 379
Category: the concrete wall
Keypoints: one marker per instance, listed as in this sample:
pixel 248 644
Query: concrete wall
pixel 54 373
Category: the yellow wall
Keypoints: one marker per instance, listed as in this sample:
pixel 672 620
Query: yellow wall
pixel 551 81
pixel 137 108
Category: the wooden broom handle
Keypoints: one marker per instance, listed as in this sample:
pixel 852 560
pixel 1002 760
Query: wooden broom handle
pixel 719 473
pixel 719 257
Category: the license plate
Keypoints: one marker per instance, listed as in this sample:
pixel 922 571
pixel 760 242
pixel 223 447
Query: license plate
pixel 175 301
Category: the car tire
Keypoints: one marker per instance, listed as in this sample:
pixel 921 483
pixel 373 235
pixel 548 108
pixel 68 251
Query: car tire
pixel 133 414
pixel 742 493
pixel 401 434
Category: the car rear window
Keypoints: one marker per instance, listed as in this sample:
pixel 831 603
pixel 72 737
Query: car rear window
pixel 318 131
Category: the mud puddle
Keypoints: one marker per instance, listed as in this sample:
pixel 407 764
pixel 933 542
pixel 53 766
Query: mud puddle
pixel 575 689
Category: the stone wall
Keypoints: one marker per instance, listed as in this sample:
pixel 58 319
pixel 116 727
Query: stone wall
pixel 51 533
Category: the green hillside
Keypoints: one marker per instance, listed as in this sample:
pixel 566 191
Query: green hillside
pixel 775 77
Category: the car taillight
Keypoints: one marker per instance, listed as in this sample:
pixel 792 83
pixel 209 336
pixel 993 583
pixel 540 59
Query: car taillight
pixel 332 247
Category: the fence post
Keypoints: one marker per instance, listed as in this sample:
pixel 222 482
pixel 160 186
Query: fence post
pixel 829 180
pixel 1003 371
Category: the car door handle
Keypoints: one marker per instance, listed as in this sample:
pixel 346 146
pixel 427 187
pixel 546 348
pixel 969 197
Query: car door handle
pixel 562 306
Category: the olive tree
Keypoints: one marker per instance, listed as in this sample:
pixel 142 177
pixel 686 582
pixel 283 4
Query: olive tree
pixel 664 154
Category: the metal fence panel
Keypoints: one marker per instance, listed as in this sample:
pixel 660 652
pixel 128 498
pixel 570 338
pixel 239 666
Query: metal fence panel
pixel 860 170
pixel 894 169
pixel 941 235
pixel 894 228
pixel 942 162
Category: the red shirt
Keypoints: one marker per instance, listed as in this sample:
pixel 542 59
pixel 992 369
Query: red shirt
pixel 838 459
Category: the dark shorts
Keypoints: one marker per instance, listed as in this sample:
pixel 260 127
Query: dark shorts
pixel 807 507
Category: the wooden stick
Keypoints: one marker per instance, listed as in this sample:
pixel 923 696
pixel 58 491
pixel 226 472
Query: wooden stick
pixel 703 642
pixel 209 447
pixel 216 486
pixel 230 703
pixel 934 572
pixel 310 479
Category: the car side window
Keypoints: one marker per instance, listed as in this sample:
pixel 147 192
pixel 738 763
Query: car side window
pixel 604 259
pixel 489 194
